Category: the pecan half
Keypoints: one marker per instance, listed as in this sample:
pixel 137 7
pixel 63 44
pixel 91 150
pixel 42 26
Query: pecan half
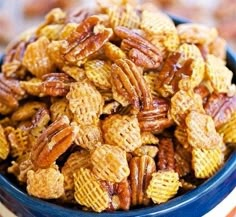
pixel 141 169
pixel 155 119
pixel 53 142
pixel 168 79
pixel 141 52
pixel 130 83
pixel 220 107
pixel 166 159
pixel 10 92
pixel 88 38
pixel 56 84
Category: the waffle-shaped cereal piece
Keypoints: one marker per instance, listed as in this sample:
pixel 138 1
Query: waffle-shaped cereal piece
pixel 163 186
pixel 99 73
pixel 85 102
pixel 193 33
pixel 218 74
pixel 19 142
pixel 201 131
pixel 149 150
pixel 45 183
pixel 36 58
pixel 24 167
pixel 88 136
pixel 67 30
pixel 32 87
pixel 27 110
pixel 89 191
pixel 122 131
pixel 182 103
pixel 206 162
pixel 75 72
pixel 182 136
pixel 77 160
pixel 60 108
pixel 4 146
pixel 52 32
pixel 113 52
pixel 126 16
pixel 110 163
pixel 149 139
pixel 150 79
pixel 228 130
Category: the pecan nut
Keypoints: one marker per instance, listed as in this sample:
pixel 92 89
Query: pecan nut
pixel 10 92
pixel 53 142
pixel 130 83
pixel 155 119
pixel 220 107
pixel 141 52
pixel 88 38
pixel 56 84
pixel 141 169
pixel 166 159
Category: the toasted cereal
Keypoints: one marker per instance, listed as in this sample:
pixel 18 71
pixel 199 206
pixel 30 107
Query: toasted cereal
pixel 99 73
pixel 113 52
pixel 4 145
pixel 89 191
pixel 182 136
pixel 201 131
pixel 45 183
pixel 149 139
pixel 51 32
pixel 206 162
pixel 182 103
pixel 89 137
pixel 109 163
pixel 163 186
pixel 149 150
pixel 32 87
pixel 67 30
pixel 122 131
pixel 36 58
pixel 78 74
pixel 218 74
pixel 85 102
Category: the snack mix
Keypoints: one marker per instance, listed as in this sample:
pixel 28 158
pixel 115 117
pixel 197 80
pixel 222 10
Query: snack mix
pixel 115 107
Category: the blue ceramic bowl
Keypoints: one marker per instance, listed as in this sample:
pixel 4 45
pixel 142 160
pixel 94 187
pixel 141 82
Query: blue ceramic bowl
pixel 194 203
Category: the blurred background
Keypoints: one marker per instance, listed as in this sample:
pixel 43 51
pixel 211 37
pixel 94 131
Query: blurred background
pixel 19 15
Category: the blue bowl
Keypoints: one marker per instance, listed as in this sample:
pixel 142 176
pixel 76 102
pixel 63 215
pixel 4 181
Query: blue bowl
pixel 194 203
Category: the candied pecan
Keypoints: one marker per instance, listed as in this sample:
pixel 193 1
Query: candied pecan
pixel 10 92
pixel 156 119
pixel 166 159
pixel 130 83
pixel 168 79
pixel 220 107
pixel 141 169
pixel 141 52
pixel 88 38
pixel 53 142
pixel 56 84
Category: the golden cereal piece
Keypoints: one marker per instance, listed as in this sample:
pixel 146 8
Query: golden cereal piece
pixel 24 167
pixel 4 146
pixel 51 32
pixel 113 52
pixel 89 191
pixel 126 16
pixel 60 108
pixel 32 87
pixel 150 79
pixel 228 130
pixel 110 107
pixel 182 136
pixel 85 102
pixel 196 33
pixel 27 110
pixel 67 30
pixel 218 74
pixel 19 142
pixel 206 162
pixel 182 103
pixel 99 73
pixel 76 160
pixel 36 58
pixel 75 72
pixel 198 72
pixel 149 150
pixel 163 186
pixel 149 139
pixel 201 131
pixel 88 136
pixel 171 41
pixel 45 183
pixel 122 131
pixel 110 163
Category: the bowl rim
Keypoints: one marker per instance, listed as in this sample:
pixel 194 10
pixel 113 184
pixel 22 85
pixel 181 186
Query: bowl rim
pixel 210 184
